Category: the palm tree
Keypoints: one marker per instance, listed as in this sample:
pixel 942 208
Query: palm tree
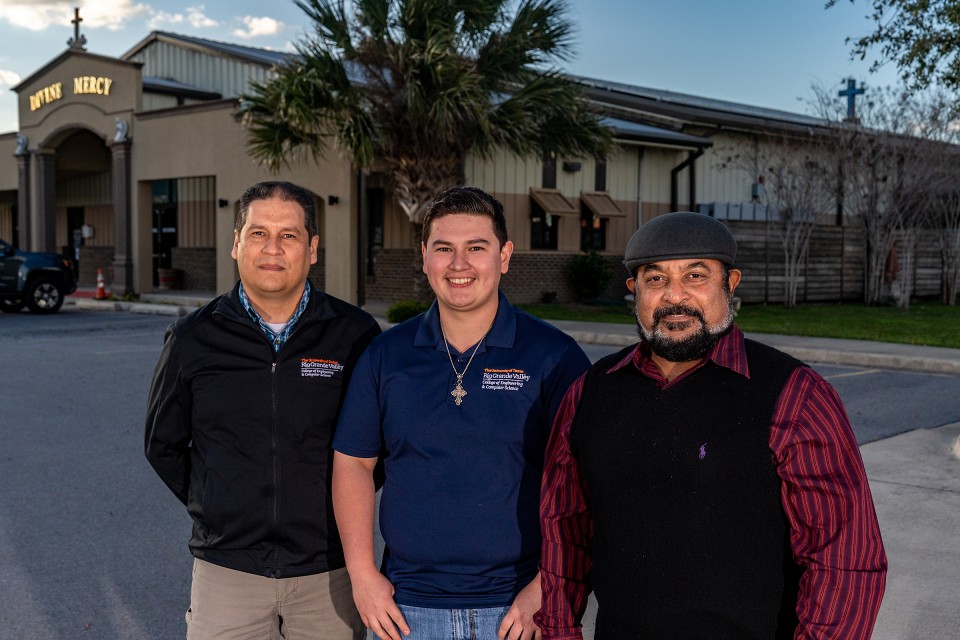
pixel 410 87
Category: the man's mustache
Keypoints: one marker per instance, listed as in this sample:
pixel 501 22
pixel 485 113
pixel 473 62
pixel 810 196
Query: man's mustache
pixel 676 310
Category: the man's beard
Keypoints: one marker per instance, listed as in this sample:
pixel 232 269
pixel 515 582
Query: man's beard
pixel 693 347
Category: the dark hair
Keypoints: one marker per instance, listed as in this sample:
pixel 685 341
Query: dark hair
pixel 726 276
pixel 468 200
pixel 286 191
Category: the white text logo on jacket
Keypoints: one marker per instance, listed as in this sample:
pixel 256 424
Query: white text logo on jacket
pixel 319 368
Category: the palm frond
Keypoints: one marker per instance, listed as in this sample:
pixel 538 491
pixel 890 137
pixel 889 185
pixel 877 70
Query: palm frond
pixel 416 85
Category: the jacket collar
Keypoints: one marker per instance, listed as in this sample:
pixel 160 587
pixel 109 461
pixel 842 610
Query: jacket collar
pixel 318 306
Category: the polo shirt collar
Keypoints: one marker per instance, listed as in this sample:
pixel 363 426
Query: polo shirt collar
pixel 502 334
pixel 730 352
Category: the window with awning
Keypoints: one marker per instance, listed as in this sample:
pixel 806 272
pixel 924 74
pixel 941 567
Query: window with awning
pixel 552 202
pixel 600 204
pixel 596 208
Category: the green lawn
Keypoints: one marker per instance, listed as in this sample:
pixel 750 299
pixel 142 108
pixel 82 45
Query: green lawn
pixel 927 323
pixel 616 314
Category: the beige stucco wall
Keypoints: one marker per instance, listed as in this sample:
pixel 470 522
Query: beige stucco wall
pixel 209 140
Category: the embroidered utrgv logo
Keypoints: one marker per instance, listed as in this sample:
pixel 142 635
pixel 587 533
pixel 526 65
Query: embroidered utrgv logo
pixel 319 368
pixel 703 451
pixel 504 379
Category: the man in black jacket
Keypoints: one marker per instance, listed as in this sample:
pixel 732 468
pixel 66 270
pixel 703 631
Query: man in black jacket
pixel 241 414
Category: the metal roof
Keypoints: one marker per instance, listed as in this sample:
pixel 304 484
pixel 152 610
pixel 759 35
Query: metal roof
pixel 165 85
pixel 648 133
pixel 692 108
pixel 624 100
pixel 255 55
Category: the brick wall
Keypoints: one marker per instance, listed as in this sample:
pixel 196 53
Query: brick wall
pixel 531 276
pixel 91 259
pixel 535 275
pixel 197 266
pixel 394 278
pixel 317 274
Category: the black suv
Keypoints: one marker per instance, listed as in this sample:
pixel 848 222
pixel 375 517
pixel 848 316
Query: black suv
pixel 38 280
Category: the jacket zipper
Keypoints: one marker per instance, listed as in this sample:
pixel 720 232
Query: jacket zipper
pixel 273 440
pixel 276 466
pixel 274 427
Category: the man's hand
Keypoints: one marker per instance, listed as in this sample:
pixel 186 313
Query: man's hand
pixel 518 623
pixel 373 595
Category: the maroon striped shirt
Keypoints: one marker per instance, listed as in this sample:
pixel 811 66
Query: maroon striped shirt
pixel 833 526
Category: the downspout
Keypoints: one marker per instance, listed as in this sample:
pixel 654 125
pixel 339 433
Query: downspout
pixel 363 233
pixel 766 222
pixel 640 154
pixel 674 195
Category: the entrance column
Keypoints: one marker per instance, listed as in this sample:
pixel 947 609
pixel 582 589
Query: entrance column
pixel 46 200
pixel 23 199
pixel 123 218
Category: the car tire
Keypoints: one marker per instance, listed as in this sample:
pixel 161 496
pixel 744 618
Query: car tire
pixel 11 305
pixel 44 295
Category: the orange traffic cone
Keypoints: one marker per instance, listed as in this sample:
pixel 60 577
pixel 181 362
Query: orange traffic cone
pixel 101 290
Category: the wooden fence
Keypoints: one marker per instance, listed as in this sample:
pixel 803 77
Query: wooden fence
pixel 832 269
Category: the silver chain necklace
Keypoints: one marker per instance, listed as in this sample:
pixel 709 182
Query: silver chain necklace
pixel 458 391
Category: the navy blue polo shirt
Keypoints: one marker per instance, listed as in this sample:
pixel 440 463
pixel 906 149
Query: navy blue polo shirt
pixel 459 512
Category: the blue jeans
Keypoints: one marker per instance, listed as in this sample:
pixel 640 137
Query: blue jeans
pixel 453 624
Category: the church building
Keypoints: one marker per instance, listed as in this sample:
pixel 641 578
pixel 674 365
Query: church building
pixel 133 165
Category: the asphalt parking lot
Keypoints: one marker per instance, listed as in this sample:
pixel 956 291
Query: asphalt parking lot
pixel 94 546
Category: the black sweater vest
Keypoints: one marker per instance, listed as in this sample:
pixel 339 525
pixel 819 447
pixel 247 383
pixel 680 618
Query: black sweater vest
pixel 690 538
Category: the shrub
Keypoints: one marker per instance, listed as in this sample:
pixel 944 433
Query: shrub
pixel 589 275
pixel 406 309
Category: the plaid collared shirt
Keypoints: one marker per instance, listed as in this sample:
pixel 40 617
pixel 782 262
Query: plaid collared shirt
pixel 276 339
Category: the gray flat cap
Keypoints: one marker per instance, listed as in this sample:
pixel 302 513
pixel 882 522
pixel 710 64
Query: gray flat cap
pixel 674 236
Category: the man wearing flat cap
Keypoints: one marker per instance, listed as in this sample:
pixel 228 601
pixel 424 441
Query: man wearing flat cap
pixel 703 485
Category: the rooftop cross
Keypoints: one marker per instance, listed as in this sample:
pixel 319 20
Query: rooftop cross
pixel 851 93
pixel 78 40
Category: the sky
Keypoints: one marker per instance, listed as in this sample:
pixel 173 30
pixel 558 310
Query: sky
pixel 767 53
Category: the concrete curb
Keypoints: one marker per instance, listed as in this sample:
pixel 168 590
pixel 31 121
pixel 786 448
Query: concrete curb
pixel 145 308
pixel 596 337
pixel 810 354
pixel 838 356
pixel 872 360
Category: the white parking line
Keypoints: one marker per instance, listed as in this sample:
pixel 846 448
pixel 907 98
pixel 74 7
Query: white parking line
pixel 852 373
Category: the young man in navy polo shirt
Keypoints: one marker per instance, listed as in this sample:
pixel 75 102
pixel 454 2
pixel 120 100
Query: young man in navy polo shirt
pixel 458 403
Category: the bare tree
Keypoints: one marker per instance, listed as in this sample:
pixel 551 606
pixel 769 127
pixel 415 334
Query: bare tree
pixel 795 192
pixel 940 197
pixel 883 170
pixel 945 210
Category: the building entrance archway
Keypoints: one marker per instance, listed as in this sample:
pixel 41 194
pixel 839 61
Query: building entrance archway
pixel 83 213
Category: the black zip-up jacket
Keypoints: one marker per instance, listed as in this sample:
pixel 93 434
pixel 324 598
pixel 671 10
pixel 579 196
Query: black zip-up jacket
pixel 241 434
